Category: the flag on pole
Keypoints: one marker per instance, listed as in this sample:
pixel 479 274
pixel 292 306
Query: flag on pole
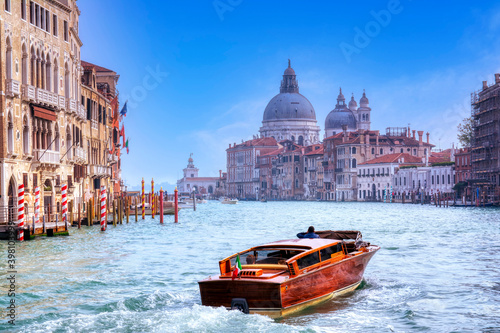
pixel 237 267
pixel 123 112
pixel 114 107
pixel 126 145
pixel 122 134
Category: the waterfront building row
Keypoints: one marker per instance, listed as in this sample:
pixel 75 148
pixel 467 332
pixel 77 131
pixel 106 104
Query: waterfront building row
pixel 59 115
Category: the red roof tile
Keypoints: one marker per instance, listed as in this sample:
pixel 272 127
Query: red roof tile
pixel 394 158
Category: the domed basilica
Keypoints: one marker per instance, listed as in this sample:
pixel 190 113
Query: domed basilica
pixel 289 115
pixel 349 115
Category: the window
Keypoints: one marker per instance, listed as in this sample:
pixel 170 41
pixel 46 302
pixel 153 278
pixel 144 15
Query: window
pixel 401 150
pixel 23 9
pixel 7 5
pixel 47 21
pixel 32 12
pixel 35 180
pixel 437 179
pixel 42 18
pixel 327 252
pixel 66 37
pixel 432 180
pixel 89 111
pixel 37 13
pixel 354 150
pixel 308 260
pixel 54 24
pixel 25 180
pixel 449 179
pixel 381 151
pixel 442 178
pixel 373 151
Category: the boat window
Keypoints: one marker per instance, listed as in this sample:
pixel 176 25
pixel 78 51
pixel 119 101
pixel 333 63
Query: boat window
pixel 266 256
pixel 308 260
pixel 326 253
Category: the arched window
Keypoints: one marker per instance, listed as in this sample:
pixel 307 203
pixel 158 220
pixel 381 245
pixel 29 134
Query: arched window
pixel 48 74
pixel 56 79
pixel 301 140
pixel 354 150
pixel 42 71
pixel 69 143
pixel 381 151
pixel 8 60
pixel 66 80
pixel 24 65
pixel 296 183
pixel 26 136
pixel 293 139
pixel 210 189
pixel 56 141
pixel 33 67
pixel 10 134
pixel 353 162
pixel 367 117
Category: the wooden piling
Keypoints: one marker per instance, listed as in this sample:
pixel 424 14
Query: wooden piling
pixel 135 210
pixel 79 220
pixel 70 210
pixel 176 205
pixel 127 209
pixel 114 213
pixel 194 201
pixel 161 205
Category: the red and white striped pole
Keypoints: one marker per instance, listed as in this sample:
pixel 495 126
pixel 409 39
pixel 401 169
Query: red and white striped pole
pixel 152 201
pixel 161 204
pixel 103 208
pixel 64 199
pixel 37 204
pixel 143 200
pixel 20 212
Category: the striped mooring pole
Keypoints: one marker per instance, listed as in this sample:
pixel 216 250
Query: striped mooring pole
pixel 152 199
pixel 20 212
pixel 103 208
pixel 143 201
pixel 176 205
pixel 161 204
pixel 37 204
pixel 64 204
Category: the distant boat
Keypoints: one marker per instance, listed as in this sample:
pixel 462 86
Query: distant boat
pixel 282 277
pixel 229 201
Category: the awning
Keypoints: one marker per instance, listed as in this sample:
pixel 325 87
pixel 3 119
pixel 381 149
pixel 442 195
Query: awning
pixel 43 113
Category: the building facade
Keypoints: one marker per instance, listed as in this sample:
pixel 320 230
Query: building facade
pixel 485 148
pixel 192 182
pixel 45 126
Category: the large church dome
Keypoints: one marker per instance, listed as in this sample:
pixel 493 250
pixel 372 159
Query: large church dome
pixel 339 117
pixel 289 115
pixel 289 106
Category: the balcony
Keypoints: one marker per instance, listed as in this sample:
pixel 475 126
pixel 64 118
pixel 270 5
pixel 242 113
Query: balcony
pixel 62 102
pixel 29 92
pixel 113 159
pixel 13 88
pixel 339 170
pixel 71 105
pixel 80 155
pixel 98 171
pixel 46 97
pixel 80 112
pixel 49 157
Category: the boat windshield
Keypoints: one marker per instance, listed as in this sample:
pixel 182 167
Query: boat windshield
pixel 260 256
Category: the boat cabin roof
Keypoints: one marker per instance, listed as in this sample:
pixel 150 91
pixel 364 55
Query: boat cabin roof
pixel 302 243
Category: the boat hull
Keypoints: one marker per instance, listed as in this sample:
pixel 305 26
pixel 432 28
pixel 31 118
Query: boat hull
pixel 278 298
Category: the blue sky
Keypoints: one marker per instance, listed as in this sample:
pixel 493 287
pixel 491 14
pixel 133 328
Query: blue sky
pixel 199 74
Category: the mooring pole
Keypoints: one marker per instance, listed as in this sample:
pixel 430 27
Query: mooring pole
pixel 161 204
pixel 176 205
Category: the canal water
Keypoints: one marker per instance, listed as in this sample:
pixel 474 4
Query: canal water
pixel 438 270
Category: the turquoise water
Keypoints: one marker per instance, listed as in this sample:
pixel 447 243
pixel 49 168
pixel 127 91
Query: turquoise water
pixel 438 270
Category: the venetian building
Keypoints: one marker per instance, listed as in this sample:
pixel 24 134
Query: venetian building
pixel 289 115
pixel 190 181
pixel 349 115
pixel 40 71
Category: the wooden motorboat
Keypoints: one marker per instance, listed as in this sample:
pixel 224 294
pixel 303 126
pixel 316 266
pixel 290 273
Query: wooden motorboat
pixel 283 277
pixel 229 201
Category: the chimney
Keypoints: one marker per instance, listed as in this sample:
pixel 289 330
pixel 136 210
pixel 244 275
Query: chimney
pixel 497 78
pixel 414 134
pixel 344 129
pixel 485 85
pixel 409 132
pixel 376 139
pixel 420 136
pixel 220 173
pixel 427 136
pixel 229 145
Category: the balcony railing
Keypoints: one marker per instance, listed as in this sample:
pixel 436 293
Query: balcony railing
pixel 80 112
pixel 29 92
pixel 46 156
pixel 99 171
pixel 13 88
pixel 71 107
pixel 79 156
pixel 112 159
pixel 46 97
pixel 62 102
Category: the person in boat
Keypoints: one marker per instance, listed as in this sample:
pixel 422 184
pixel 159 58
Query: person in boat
pixel 309 234
pixel 250 259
